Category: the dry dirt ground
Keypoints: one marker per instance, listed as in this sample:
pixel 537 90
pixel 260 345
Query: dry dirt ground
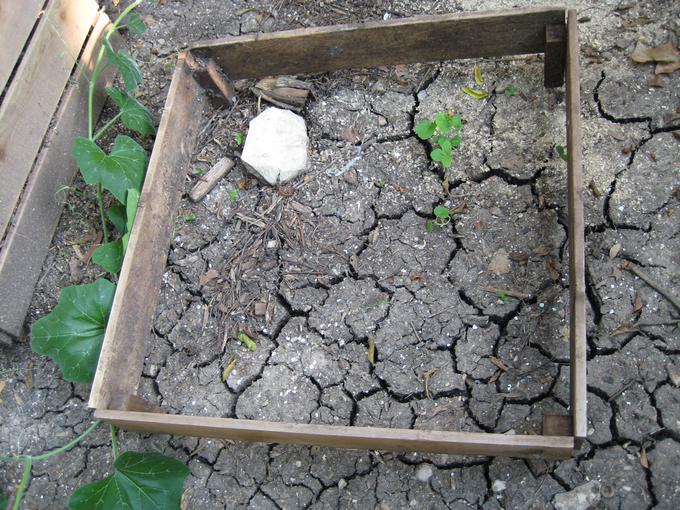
pixel 316 269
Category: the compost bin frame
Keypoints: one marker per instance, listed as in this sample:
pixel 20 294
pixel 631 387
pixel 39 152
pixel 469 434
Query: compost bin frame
pixel 419 39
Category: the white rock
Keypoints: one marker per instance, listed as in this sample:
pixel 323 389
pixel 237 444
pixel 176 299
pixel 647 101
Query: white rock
pixel 579 498
pixel 276 147
pixel 498 486
pixel 424 472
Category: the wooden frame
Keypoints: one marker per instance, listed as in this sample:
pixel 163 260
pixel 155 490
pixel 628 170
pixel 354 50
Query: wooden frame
pixel 541 30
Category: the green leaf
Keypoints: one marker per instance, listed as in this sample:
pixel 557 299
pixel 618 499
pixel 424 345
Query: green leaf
pixel 443 157
pixel 502 296
pixel 510 90
pixel 441 212
pixel 139 481
pixel 110 256
pixel 72 333
pixel 443 122
pixel 444 143
pixel 127 66
pixel 247 341
pixel 425 129
pixel 429 226
pixel 131 213
pixel 3 502
pixel 455 141
pixel 135 24
pixel 135 115
pixel 119 171
pixel 238 137
pixel 233 195
pixel 478 76
pixel 561 152
pixel 474 93
pixel 116 214
pixel 457 121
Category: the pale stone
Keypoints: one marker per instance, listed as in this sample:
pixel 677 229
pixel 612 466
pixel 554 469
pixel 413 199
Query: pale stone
pixel 424 472
pixel 579 498
pixel 276 147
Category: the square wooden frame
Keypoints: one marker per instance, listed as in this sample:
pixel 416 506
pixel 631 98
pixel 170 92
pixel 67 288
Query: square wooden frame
pixel 426 38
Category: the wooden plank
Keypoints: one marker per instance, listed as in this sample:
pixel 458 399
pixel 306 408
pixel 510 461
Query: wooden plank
pixel 133 403
pixel 26 245
pixel 16 25
pixel 556 425
pixel 373 438
pixel 577 284
pixel 555 55
pixel 34 93
pixel 123 350
pixel 417 39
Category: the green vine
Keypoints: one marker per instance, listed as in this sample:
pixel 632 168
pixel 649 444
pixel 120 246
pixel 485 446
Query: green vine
pixel 73 332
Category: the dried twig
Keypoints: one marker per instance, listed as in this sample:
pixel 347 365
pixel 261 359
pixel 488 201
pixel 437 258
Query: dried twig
pixel 652 283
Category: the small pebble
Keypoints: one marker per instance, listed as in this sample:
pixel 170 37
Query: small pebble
pixel 498 486
pixel 424 472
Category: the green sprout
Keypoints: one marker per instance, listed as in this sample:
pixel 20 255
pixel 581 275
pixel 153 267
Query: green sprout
pixel 238 137
pixel 233 195
pixel 438 131
pixel 561 152
pixel 442 217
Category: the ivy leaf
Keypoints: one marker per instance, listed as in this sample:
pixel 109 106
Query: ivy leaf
pixel 110 256
pixel 117 172
pixel 127 66
pixel 116 214
pixel 443 157
pixel 455 141
pixel 135 115
pixel 135 24
pixel 443 122
pixel 442 212
pixel 72 333
pixel 139 481
pixel 425 129
pixel 131 212
pixel 457 121
pixel 474 93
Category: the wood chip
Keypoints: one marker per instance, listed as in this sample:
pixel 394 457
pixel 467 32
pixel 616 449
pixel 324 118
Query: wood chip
pixel 208 276
pixel 260 308
pixel 500 263
pixel 208 181
pixel 498 363
pixel 371 350
pixel 614 250
pixel 643 458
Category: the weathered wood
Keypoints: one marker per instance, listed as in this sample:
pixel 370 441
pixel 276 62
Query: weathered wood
pixel 211 78
pixel 124 346
pixel 417 39
pixel 28 240
pixel 557 425
pixel 210 179
pixel 16 24
pixel 133 403
pixel 34 93
pixel 373 438
pixel 555 55
pixel 577 284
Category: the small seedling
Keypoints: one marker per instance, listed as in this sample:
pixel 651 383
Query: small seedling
pixel 247 341
pixel 561 152
pixel 438 132
pixel 502 296
pixel 238 138
pixel 442 218
pixel 189 217
pixel 198 171
pixel 509 90
pixel 233 195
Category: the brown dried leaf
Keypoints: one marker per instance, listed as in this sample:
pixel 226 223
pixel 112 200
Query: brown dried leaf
pixel 371 350
pixel 667 68
pixel 664 53
pixel 638 304
pixel 656 81
pixel 351 135
pixel 520 257
pixel 500 263
pixel 208 276
pixel 229 368
pixel 542 250
pixel 243 184
pixel 614 250
pixel 552 265
pixel 643 458
pixel 260 308
pixel 285 190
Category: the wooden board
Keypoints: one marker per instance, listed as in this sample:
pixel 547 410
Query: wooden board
pixel 417 39
pixel 37 215
pixel 124 347
pixel 34 93
pixel 16 25
pixel 336 436
pixel 577 283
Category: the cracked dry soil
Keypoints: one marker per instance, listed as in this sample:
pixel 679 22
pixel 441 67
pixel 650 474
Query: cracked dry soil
pixel 313 270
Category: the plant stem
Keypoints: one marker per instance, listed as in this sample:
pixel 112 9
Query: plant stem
pixel 70 444
pixel 107 126
pixel 100 203
pixel 114 441
pixel 24 482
